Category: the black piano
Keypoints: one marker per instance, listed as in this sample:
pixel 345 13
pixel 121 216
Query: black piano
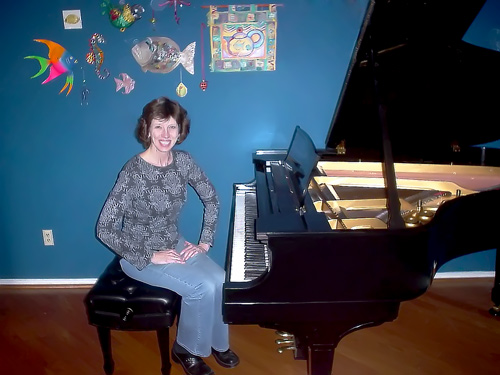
pixel 326 242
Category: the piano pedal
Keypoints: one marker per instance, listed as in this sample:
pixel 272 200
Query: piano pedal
pixel 286 338
pixel 284 341
pixel 284 334
pixel 282 349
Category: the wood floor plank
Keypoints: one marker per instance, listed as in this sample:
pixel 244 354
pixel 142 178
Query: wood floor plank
pixel 446 331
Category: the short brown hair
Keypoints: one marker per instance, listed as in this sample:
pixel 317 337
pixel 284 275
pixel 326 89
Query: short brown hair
pixel 162 109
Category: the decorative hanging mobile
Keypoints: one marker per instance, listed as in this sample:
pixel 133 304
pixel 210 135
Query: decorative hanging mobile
pixel 125 82
pixel 158 4
pixel 153 19
pixel 181 89
pixel 96 56
pixel 203 83
pixel 122 16
pixel 85 91
pixel 162 55
pixel 60 62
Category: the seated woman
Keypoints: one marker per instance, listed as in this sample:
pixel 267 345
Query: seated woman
pixel 139 222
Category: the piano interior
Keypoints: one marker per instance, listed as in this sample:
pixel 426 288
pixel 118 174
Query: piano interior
pixel 352 195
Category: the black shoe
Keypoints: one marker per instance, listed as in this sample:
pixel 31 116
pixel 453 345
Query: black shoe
pixel 192 364
pixel 227 359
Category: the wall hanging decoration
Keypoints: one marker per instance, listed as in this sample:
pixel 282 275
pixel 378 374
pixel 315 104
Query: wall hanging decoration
pixel 181 89
pixel 60 62
pixel 203 83
pixel 96 56
pixel 85 91
pixel 72 19
pixel 122 16
pixel 243 37
pixel 162 55
pixel 153 19
pixel 160 4
pixel 125 83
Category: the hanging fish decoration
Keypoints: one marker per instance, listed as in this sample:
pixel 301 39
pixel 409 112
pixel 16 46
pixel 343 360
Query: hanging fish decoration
pixel 60 62
pixel 122 16
pixel 126 82
pixel 162 55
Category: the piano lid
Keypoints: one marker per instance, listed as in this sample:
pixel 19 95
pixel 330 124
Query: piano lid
pixel 436 89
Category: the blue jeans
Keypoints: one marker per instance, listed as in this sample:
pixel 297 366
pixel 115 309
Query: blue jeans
pixel 199 283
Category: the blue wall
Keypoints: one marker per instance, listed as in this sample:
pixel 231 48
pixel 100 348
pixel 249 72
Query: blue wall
pixel 59 159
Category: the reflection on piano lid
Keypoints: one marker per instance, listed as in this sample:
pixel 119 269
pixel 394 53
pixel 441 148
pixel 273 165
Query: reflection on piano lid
pixel 439 93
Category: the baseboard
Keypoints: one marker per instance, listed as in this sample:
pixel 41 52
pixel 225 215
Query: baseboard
pixel 47 282
pixel 84 282
pixel 464 275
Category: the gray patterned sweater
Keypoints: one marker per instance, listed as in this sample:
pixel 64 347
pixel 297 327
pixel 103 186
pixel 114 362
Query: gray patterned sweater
pixel 141 213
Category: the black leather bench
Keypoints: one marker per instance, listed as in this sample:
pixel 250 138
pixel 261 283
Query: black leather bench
pixel 119 302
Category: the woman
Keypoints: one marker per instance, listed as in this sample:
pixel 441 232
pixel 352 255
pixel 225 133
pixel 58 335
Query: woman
pixel 139 222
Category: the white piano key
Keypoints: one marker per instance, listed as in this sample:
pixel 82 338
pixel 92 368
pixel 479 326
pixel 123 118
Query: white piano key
pixel 238 252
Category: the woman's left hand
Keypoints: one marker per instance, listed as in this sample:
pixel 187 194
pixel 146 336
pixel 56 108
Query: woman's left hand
pixel 190 250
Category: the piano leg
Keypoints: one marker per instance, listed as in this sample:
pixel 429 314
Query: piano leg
pixel 495 292
pixel 320 360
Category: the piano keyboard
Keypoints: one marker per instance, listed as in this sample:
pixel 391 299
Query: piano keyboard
pixel 249 257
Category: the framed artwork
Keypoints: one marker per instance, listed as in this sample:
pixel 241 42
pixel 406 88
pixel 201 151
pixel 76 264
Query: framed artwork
pixel 242 37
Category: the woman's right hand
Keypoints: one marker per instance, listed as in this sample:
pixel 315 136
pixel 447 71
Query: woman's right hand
pixel 166 257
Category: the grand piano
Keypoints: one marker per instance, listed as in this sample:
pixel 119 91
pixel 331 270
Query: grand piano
pixel 326 242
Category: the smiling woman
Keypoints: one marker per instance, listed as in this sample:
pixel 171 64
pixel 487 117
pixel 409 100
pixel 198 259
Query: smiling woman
pixel 139 222
pixel 164 135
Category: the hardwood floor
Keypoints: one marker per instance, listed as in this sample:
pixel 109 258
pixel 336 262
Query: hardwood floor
pixel 446 331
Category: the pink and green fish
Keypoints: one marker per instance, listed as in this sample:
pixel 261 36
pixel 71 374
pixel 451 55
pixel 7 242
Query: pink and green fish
pixel 60 62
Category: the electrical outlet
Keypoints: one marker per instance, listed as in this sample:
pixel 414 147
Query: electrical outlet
pixel 48 238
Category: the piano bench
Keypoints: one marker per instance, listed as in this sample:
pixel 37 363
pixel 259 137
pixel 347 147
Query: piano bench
pixel 119 302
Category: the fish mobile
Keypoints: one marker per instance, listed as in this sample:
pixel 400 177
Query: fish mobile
pixel 122 16
pixel 125 82
pixel 162 55
pixel 60 62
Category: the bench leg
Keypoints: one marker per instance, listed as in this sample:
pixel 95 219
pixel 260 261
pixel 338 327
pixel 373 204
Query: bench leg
pixel 105 340
pixel 164 345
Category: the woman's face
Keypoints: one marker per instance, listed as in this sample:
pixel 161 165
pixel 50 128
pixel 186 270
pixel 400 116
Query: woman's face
pixel 164 134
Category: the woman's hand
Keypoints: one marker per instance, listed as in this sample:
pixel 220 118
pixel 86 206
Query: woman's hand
pixel 166 256
pixel 190 250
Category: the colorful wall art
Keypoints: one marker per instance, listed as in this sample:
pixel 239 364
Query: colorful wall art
pixel 60 62
pixel 243 37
